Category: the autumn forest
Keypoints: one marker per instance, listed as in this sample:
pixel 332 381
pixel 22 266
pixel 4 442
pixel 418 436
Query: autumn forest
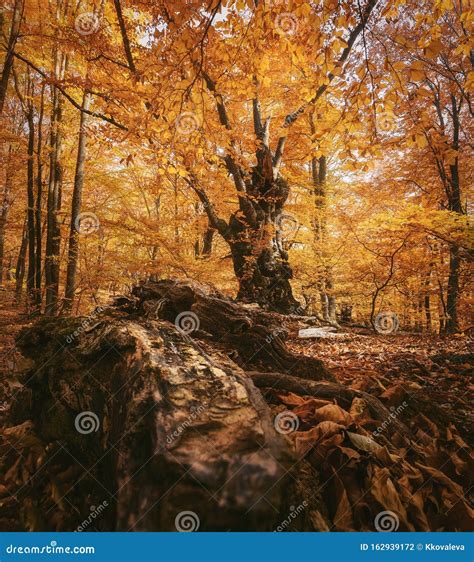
pixel 235 265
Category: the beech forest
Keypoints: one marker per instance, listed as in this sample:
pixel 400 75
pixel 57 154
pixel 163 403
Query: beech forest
pixel 235 265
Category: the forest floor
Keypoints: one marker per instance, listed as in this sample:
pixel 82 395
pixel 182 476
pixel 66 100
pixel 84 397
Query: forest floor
pixel 401 366
pixel 426 380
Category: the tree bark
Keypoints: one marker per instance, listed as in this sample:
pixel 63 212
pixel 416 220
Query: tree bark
pixel 184 426
pixel 20 264
pixel 39 200
pixel 31 276
pixel 326 282
pixel 171 412
pixel 76 206
pixel 8 63
pixel 53 233
pixel 6 202
pixel 256 338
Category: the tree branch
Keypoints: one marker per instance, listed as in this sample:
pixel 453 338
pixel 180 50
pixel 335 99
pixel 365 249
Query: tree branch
pixel 214 220
pixel 123 31
pixel 78 106
pixel 292 117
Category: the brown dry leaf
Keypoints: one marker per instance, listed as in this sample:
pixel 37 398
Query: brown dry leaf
pixel 363 443
pixel 305 440
pixel 343 520
pixel 383 490
pixel 306 411
pixel 291 399
pixel 359 408
pixel 334 413
pixel 394 395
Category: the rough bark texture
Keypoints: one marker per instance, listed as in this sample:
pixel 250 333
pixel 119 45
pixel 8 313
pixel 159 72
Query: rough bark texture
pixel 183 425
pixel 254 337
pixel 76 206
pixel 152 407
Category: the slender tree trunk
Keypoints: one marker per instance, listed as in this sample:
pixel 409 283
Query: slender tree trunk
pixel 76 207
pixel 8 63
pixel 53 235
pixel 39 197
pixel 207 242
pixel 5 207
pixel 452 323
pixel 30 280
pixel 20 264
pixel 427 299
pixel 326 283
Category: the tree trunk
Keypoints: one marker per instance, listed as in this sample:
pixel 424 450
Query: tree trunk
pixel 454 200
pixel 8 63
pixel 39 199
pixel 76 207
pixel 172 412
pixel 31 276
pixel 326 282
pixel 183 425
pixel 169 409
pixel 256 337
pixel 20 264
pixel 260 261
pixel 5 207
pixel 452 323
pixel 53 234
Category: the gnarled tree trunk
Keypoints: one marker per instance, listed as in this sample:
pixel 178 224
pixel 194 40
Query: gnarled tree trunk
pixel 150 411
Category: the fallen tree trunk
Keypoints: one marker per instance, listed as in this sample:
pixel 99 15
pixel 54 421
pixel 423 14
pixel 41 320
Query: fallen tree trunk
pixel 255 337
pixel 151 407
pixel 158 427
